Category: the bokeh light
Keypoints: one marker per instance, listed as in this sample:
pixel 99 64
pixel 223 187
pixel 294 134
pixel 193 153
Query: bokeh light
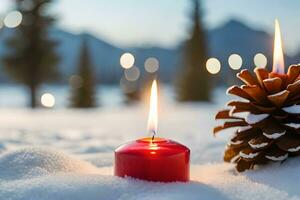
pixel 213 65
pixel 48 100
pixel 13 19
pixel 128 86
pixel 235 61
pixel 132 74
pixel 127 60
pixel 75 81
pixel 151 65
pixel 260 60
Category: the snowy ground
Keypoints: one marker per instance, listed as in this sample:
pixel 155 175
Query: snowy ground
pixel 66 154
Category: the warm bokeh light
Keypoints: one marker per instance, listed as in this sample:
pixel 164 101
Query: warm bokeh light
pixel 260 60
pixel 278 59
pixel 152 119
pixel 213 65
pixel 151 65
pixel 127 60
pixel 235 61
pixel 132 74
pixel 13 19
pixel 48 100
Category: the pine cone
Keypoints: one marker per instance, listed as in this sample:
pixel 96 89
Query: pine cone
pixel 270 130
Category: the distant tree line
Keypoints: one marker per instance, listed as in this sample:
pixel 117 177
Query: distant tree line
pixel 31 59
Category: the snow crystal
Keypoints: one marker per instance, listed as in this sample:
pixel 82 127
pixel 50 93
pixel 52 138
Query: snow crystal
pixel 293 125
pixel 244 128
pixel 295 149
pixel 253 119
pixel 294 109
pixel 258 146
pixel 250 155
pixel 280 158
pixel 274 135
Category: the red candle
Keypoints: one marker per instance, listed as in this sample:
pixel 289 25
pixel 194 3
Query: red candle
pixel 158 160
pixel 153 159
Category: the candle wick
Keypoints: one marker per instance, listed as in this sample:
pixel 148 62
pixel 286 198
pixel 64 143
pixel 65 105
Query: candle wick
pixel 154 133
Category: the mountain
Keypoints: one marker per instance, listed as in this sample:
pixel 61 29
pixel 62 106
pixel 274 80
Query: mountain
pixel 236 37
pixel 231 37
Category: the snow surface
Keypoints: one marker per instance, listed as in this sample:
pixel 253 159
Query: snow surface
pixel 293 125
pixel 64 154
pixel 274 135
pixel 294 109
pixel 253 119
pixel 258 146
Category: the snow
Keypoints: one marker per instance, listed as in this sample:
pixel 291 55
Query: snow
pixel 258 146
pixel 293 125
pixel 253 119
pixel 294 109
pixel 274 135
pixel 244 128
pixel 279 158
pixel 295 149
pixel 66 154
pixel 250 155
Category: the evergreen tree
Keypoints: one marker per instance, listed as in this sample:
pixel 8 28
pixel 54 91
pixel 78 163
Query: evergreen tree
pixel 193 80
pixel 31 58
pixel 83 92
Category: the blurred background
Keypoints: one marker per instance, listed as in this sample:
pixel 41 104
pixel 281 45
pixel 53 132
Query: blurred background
pixel 82 54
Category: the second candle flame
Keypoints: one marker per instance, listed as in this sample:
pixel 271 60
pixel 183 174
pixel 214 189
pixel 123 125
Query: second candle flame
pixel 152 119
pixel 278 59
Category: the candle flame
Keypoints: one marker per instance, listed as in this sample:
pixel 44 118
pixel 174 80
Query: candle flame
pixel 152 119
pixel 278 59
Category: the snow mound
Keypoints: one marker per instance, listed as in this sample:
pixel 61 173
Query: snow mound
pixel 38 173
pixel 100 187
pixel 36 161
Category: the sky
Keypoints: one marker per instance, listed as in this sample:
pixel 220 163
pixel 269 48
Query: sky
pixel 164 22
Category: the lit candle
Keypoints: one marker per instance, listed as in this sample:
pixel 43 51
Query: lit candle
pixel 278 57
pixel 152 158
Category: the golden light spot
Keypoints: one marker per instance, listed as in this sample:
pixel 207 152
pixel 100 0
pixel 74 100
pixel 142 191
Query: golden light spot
pixel 260 60
pixel 213 65
pixel 235 61
pixel 48 100
pixel 151 65
pixel 127 60
pixel 13 19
